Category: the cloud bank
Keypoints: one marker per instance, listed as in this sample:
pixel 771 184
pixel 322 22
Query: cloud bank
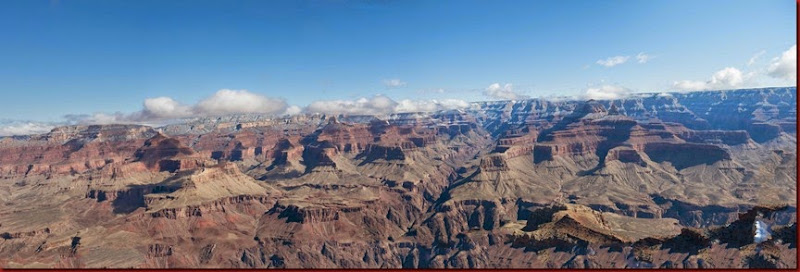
pixel 222 102
pixel 729 77
pixel 380 105
pixel 165 107
pixel 239 101
pixel 606 92
pixel 24 128
pixel 785 66
pixel 505 92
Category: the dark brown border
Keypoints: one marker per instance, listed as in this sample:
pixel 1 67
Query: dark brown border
pixel 797 6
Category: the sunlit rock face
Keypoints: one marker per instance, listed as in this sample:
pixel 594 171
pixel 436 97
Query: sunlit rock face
pixel 649 181
pixel 762 232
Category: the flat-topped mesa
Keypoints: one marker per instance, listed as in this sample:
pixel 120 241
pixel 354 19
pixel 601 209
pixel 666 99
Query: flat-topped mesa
pixel 626 155
pixel 671 130
pixel 319 154
pixel 206 189
pixel 763 131
pixel 286 150
pixel 518 151
pixel 346 138
pixel 162 153
pixel 308 213
pixel 683 155
pixel 374 152
pixel 516 142
pixel 494 163
pixel 522 136
pixel 400 136
pixel 305 215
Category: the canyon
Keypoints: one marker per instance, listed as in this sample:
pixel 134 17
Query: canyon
pixel 661 180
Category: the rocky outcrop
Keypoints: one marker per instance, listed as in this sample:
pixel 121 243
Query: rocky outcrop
pixel 303 215
pixel 375 152
pixel 206 188
pixel 626 155
pixel 218 205
pixel 494 163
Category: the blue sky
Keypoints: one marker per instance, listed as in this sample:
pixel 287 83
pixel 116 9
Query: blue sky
pixel 86 57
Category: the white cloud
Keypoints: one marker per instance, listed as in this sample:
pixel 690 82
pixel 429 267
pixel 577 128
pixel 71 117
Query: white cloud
pixel 785 66
pixel 104 118
pixel 729 77
pixel 375 105
pixel 165 107
pixel 613 61
pixel 292 110
pixel 643 58
pixel 227 101
pixel 380 105
pixel 394 83
pixel 159 109
pixel 407 105
pixel 100 118
pixel 452 104
pixel 506 91
pixel 606 92
pixel 24 128
pixel 690 85
pixel 755 57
